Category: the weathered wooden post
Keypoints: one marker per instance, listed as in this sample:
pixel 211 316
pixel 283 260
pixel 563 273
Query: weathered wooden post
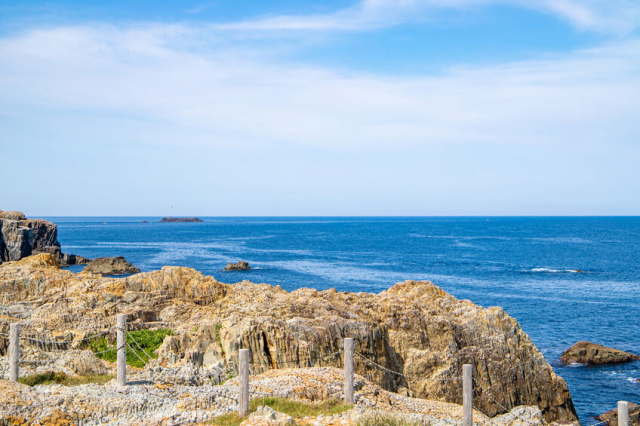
pixel 623 413
pixel 121 346
pixel 14 351
pixel 243 371
pixel 348 370
pixel 467 395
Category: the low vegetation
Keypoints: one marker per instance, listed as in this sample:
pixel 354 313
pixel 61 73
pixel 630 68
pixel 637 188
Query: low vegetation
pixel 137 354
pixel 291 407
pixel 51 378
pixel 379 419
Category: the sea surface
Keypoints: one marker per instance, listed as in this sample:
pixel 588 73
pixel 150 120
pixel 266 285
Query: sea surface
pixel 527 265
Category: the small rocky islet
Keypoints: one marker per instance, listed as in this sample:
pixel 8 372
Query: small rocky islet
pixel 413 328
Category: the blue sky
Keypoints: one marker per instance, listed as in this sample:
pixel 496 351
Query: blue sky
pixel 370 107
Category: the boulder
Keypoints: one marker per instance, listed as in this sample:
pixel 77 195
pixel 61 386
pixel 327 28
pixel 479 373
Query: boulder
pixel 240 266
pixel 11 215
pixel 111 266
pixel 612 415
pixel 594 354
pixel 180 219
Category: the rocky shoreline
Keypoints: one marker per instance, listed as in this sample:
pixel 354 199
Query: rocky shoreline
pixel 414 328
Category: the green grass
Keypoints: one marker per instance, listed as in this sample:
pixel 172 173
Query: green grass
pixel 50 378
pixel 378 419
pixel 230 419
pixel 293 408
pixel 149 340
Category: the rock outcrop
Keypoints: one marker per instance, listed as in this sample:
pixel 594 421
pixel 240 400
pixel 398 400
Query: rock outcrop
pixel 110 266
pixel 594 354
pixel 181 219
pixel 414 329
pixel 240 266
pixel 612 416
pixel 146 403
pixel 21 237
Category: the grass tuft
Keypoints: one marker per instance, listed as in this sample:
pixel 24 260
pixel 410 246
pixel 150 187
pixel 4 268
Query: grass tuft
pixel 149 340
pixel 51 378
pixel 291 407
pixel 379 419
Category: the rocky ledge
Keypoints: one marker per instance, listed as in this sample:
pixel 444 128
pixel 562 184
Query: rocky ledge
pixel 181 219
pixel 594 354
pixel 21 237
pixel 111 266
pixel 414 329
pixel 147 401
pixel 612 416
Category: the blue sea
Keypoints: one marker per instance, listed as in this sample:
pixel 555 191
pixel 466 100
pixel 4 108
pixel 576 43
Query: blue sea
pixel 527 265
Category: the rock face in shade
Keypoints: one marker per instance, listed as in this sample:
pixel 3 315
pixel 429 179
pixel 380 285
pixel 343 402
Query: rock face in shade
pixel 594 354
pixel 111 266
pixel 612 415
pixel 240 266
pixel 21 237
pixel 413 328
pixel 181 219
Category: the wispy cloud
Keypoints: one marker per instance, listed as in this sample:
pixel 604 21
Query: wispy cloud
pixel 162 73
pixel 169 112
pixel 613 16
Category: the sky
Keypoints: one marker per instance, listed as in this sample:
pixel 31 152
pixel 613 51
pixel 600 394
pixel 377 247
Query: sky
pixel 289 108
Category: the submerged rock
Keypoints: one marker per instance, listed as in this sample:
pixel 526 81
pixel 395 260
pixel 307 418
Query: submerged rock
pixel 111 266
pixel 240 266
pixel 594 354
pixel 181 219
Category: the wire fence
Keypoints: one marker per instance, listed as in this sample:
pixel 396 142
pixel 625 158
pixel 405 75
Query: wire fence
pixel 253 366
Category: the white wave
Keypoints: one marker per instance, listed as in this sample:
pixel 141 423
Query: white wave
pixel 556 271
pixel 576 365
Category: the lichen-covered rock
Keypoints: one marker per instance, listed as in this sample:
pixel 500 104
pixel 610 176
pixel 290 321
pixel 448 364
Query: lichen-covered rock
pixel 594 354
pixel 110 266
pixel 414 328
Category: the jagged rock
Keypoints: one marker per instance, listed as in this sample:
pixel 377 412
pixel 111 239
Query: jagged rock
pixel 414 328
pixel 594 354
pixel 21 237
pixel 11 215
pixel 240 266
pixel 110 266
pixel 181 219
pixel 612 415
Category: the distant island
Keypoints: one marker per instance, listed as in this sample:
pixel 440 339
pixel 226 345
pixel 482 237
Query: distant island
pixel 181 219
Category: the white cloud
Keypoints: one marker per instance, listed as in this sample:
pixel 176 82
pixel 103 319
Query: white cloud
pixel 223 95
pixel 611 16
pixel 166 117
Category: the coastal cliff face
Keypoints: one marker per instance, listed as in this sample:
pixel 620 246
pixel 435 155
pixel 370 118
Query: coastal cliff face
pixel 21 237
pixel 414 328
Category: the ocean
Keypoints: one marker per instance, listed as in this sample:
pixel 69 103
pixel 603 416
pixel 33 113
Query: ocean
pixel 530 266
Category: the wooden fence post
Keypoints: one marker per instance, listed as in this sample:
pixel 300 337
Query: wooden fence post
pixel 121 346
pixel 623 413
pixel 348 370
pixel 14 351
pixel 467 395
pixel 243 372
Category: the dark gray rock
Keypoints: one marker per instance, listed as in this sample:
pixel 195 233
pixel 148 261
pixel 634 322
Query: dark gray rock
pixel 180 219
pixel 21 237
pixel 111 266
